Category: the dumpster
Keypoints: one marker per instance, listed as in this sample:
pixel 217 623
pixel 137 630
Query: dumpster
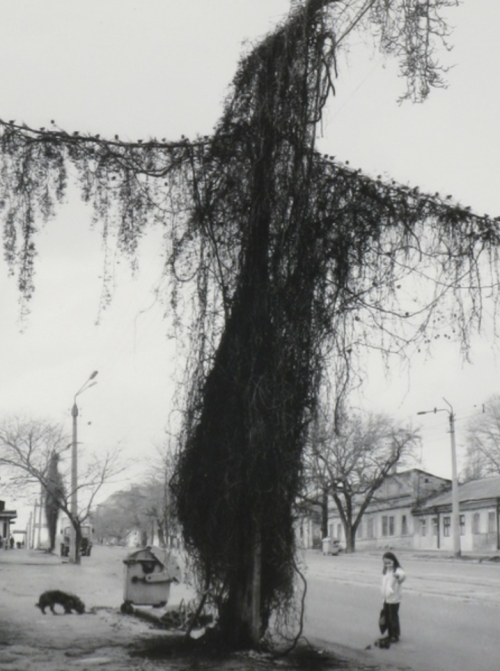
pixel 149 572
pixel 331 546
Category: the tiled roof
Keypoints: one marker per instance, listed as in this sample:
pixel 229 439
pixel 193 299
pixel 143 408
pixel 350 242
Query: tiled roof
pixel 475 490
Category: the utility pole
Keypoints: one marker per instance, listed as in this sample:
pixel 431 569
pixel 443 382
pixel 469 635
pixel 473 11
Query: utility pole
pixel 33 528
pixel 455 506
pixel 74 482
pixel 29 531
pixel 73 549
pixel 454 485
pixel 40 511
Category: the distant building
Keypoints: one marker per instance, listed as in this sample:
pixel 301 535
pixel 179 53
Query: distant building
pixel 389 519
pixel 308 525
pixel 412 510
pixel 479 503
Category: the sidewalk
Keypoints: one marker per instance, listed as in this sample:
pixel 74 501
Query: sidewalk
pixel 434 555
pixel 103 636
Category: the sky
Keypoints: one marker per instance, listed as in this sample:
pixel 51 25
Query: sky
pixel 162 68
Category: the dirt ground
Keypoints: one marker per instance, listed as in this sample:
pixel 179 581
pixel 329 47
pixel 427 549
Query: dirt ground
pixel 105 638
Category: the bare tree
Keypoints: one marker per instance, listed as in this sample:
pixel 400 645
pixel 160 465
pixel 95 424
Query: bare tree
pixel 283 254
pixel 314 498
pixel 482 457
pixel 125 511
pixel 350 461
pixel 146 506
pixel 143 507
pixel 27 448
pixel 112 520
pixel 162 502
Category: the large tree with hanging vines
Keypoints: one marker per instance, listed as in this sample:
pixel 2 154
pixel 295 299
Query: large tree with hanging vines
pixel 285 258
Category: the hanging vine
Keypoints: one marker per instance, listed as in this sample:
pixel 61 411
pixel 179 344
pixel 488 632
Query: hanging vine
pixel 285 256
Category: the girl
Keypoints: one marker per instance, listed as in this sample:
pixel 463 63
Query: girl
pixel 392 578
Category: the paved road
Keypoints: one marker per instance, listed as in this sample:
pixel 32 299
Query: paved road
pixel 450 614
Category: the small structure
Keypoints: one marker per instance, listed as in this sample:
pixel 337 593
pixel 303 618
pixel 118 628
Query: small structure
pixel 330 546
pixel 6 519
pixel 389 519
pixel 479 518
pixel 86 542
pixel 148 575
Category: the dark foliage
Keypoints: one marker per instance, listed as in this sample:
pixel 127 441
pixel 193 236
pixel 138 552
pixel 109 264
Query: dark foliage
pixel 54 497
pixel 286 257
pixel 188 653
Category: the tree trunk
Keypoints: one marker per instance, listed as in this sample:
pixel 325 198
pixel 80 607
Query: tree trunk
pixel 350 537
pixel 345 513
pixel 242 456
pixel 162 536
pixel 324 513
pixel 241 617
pixel 78 540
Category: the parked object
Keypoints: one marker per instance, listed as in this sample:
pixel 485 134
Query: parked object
pixel 149 573
pixel 331 546
pixel 383 642
pixel 86 542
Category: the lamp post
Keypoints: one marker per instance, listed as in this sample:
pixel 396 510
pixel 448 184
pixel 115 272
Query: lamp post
pixel 73 554
pixel 455 507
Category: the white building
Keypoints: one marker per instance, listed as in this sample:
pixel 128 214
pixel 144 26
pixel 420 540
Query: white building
pixel 479 503
pixel 389 519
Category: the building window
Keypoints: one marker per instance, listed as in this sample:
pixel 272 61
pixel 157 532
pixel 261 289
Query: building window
pixel 360 529
pixel 369 528
pixel 423 527
pixel 434 526
pixel 339 531
pixel 404 525
pixel 462 525
pixel 387 525
pixel 491 522
pixel 446 526
pixel 476 526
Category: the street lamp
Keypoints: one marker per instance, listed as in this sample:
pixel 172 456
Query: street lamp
pixel 90 382
pixel 455 509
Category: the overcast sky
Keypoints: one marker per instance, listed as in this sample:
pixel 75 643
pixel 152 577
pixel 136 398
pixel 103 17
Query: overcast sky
pixel 162 68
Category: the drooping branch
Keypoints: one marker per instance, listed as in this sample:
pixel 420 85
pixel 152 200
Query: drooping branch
pixel 285 257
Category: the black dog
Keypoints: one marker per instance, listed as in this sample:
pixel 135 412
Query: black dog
pixel 54 597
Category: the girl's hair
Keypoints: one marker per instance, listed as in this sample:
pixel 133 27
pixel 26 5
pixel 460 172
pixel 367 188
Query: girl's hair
pixel 393 558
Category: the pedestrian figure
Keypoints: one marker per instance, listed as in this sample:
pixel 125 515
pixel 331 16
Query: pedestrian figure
pixel 392 578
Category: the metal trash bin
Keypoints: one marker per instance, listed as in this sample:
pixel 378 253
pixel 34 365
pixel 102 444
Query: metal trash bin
pixel 327 545
pixel 149 572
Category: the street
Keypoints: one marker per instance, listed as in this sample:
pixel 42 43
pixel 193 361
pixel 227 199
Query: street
pixel 449 615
